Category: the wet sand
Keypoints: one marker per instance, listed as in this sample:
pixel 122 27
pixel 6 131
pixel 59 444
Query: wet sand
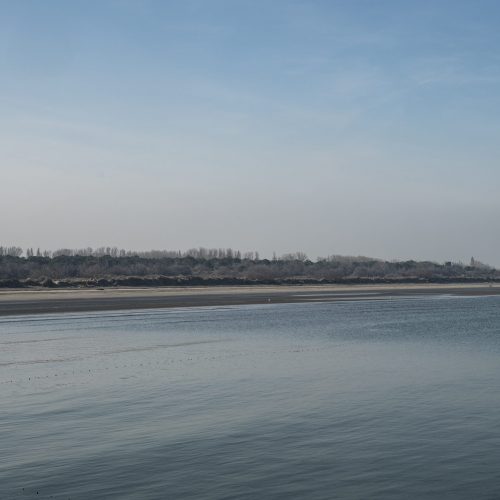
pixel 21 302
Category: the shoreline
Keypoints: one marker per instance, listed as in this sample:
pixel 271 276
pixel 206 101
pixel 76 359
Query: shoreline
pixel 15 302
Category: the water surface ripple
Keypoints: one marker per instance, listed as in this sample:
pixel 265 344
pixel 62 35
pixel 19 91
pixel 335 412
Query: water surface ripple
pixel 383 400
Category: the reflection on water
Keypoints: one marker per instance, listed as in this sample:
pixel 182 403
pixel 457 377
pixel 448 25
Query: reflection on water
pixel 386 399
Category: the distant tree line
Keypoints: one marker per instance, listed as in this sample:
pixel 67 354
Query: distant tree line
pixel 197 253
pixel 109 266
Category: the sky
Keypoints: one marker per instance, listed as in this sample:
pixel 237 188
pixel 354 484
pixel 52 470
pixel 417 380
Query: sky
pixel 355 127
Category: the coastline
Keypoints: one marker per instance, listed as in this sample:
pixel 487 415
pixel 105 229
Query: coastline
pixel 14 302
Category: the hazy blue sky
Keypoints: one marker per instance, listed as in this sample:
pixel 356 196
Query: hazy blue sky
pixel 352 127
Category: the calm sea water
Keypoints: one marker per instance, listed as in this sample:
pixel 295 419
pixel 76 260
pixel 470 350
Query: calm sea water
pixel 370 399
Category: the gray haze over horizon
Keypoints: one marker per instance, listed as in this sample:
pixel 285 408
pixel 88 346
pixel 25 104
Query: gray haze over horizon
pixel 328 127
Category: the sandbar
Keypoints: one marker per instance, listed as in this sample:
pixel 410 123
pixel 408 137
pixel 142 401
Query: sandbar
pixel 43 301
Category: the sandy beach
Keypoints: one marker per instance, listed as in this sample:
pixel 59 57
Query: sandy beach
pixel 22 302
